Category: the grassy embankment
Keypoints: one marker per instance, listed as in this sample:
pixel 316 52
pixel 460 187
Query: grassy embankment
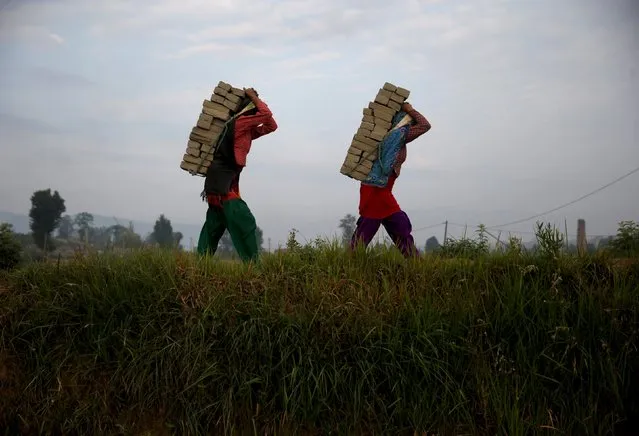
pixel 315 340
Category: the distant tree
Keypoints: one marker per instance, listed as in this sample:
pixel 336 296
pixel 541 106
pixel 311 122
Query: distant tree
pixel 163 232
pixel 83 221
pixel 117 233
pixel 10 248
pixel 432 244
pixel 100 237
pixel 260 239
pixel 347 225
pixel 177 238
pixel 66 228
pixel 225 246
pixel 604 242
pixel 129 239
pixel 45 214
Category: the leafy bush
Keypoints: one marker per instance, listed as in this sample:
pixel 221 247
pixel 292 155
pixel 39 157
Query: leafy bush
pixel 466 247
pixel 10 248
pixel 627 240
pixel 550 240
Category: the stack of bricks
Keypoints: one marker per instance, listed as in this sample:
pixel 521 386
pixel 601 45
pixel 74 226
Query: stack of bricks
pixel 215 112
pixel 376 123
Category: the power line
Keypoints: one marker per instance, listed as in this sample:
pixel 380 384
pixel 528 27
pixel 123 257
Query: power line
pixel 428 227
pixel 569 203
pixel 518 231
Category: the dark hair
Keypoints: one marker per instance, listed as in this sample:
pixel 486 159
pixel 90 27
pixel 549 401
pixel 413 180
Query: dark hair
pixel 243 104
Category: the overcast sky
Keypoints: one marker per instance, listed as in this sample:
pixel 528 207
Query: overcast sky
pixel 532 103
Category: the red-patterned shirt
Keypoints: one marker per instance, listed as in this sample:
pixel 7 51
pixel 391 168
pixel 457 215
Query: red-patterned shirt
pixel 247 128
pixel 250 127
pixel 379 203
pixel 416 130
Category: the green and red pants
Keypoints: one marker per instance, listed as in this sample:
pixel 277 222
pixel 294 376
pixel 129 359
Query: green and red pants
pixel 235 216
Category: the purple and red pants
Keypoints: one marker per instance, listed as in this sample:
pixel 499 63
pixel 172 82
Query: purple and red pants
pixel 397 225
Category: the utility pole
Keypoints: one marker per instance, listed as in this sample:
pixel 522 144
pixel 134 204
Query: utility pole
pixel 269 245
pixel 445 231
pixel 566 233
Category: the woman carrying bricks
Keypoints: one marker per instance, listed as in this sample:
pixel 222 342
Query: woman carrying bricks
pixel 227 210
pixel 377 204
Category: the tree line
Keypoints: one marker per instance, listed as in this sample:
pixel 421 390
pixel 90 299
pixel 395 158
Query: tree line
pixel 49 225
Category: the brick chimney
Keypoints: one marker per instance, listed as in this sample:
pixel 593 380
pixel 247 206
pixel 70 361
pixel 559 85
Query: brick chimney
pixel 582 245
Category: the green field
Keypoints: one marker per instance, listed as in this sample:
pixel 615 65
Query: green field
pixel 315 341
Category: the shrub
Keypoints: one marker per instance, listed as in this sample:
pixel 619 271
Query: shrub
pixel 9 248
pixel 627 239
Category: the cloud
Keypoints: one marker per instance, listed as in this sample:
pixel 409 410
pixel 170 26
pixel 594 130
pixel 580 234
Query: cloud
pixel 218 48
pixel 56 38
pixel 20 124
pixel 31 34
pixel 50 77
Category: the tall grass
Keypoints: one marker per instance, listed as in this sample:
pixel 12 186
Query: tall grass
pixel 317 341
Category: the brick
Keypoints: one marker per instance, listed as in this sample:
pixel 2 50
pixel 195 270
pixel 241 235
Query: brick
pixel 368 119
pixel 365 140
pixel 394 105
pixel 204 139
pixel 367 152
pixel 383 124
pixel 220 91
pixel 363 132
pixel 377 135
pixel 203 133
pixel 398 98
pixel 367 111
pixel 193 151
pixel 217 129
pixel 218 122
pixel 382 99
pixel 370 150
pixel 367 126
pixel 383 96
pixel 383 115
pixel 206 148
pixel 353 174
pixel 217 114
pixel 376 107
pixel 192 168
pixel 207 155
pixel 218 99
pixel 231 105
pixel 353 162
pixel 234 98
pixel 191 159
pixel 204 121
pixel 389 87
pixel 380 129
pixel 363 158
pixel 198 138
pixel 225 86
pixel 216 107
pixel 238 92
pixel 384 92
pixel 403 92
pixel 193 144
pixel 202 160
